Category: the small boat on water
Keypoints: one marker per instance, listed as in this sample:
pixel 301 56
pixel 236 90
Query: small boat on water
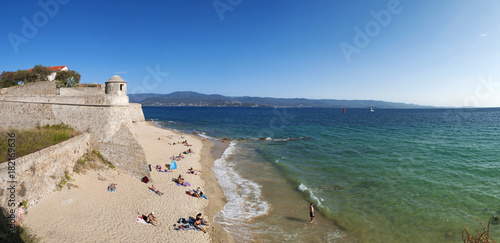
pixel 371 109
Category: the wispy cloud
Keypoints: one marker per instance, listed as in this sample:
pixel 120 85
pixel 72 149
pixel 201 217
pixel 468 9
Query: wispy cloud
pixel 483 35
pixel 121 72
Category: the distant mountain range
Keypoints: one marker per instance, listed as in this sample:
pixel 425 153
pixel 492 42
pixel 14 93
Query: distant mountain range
pixel 188 98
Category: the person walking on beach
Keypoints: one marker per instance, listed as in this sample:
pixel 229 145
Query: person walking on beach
pixel 311 212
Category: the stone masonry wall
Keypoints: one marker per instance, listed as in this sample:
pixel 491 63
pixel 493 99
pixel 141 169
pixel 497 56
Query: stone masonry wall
pixel 39 173
pixel 36 88
pixel 136 113
pixel 109 126
pixel 81 91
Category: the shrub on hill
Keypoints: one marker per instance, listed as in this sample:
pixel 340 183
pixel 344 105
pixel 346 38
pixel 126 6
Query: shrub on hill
pixel 64 76
pixel 38 73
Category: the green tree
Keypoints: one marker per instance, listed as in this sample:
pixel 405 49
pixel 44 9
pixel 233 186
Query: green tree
pixel 26 76
pixel 41 72
pixel 7 79
pixel 66 75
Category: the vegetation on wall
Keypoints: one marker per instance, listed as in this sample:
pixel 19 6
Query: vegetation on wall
pixel 93 161
pixel 37 73
pixel 32 140
pixel 65 77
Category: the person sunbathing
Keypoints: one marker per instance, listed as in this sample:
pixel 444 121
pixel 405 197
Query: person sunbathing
pixel 192 193
pixel 203 221
pixel 180 156
pixel 152 188
pixel 159 169
pixel 151 219
pixel 193 171
pixel 199 192
pixel 112 187
pixel 180 180
pixel 195 193
pixel 197 224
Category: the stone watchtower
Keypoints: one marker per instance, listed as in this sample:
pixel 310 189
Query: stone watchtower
pixel 116 90
pixel 116 86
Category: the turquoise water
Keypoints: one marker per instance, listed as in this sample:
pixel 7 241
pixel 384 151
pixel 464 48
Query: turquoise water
pixel 383 176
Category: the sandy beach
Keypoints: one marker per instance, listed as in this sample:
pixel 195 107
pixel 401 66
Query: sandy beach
pixel 89 213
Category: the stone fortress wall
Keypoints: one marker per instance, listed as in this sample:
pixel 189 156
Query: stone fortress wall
pixel 102 112
pixel 38 174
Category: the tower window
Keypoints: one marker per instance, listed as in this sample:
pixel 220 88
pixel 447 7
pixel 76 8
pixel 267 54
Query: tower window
pixel 121 86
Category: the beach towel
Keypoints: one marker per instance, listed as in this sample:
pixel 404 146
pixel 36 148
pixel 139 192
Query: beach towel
pixel 161 193
pixel 191 221
pixel 186 227
pixel 139 219
pixel 203 196
pixel 111 190
pixel 185 184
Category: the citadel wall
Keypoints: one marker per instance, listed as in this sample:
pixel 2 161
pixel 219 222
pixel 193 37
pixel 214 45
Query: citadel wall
pixel 107 118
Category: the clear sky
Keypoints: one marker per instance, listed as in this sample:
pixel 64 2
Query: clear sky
pixel 441 53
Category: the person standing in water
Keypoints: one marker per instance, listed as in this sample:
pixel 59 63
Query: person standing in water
pixel 311 212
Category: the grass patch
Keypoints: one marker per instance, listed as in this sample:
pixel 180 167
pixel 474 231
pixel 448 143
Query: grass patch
pixel 104 161
pixel 80 166
pixel 93 161
pixel 64 179
pixel 32 140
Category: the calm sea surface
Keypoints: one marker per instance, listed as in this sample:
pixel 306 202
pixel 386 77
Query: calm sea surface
pixel 383 176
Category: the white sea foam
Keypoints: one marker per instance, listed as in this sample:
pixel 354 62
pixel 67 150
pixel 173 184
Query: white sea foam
pixel 277 139
pixel 204 135
pixel 244 199
pixel 313 197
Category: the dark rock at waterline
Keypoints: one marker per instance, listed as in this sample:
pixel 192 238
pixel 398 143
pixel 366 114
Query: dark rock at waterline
pixel 337 187
pixel 225 140
pixel 495 219
pixel 263 138
pixel 196 133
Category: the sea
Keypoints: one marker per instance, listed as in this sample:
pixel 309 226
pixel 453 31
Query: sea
pixel 392 175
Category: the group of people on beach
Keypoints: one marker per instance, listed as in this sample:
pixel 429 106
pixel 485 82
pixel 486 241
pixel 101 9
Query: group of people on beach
pixel 198 222
pixel 185 142
pixel 192 223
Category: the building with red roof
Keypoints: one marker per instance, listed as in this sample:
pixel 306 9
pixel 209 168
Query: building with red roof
pixel 55 69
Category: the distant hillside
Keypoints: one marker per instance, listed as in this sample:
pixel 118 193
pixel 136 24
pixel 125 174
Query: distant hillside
pixel 188 98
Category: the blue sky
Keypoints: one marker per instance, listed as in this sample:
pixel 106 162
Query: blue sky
pixel 442 53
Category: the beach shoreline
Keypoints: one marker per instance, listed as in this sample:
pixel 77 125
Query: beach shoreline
pixel 209 153
pixel 86 211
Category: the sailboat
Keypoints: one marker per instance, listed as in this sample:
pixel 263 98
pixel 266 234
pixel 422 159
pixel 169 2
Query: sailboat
pixel 371 109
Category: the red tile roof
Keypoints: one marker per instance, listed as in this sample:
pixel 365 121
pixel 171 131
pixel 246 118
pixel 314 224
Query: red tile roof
pixel 57 68
pixel 54 68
